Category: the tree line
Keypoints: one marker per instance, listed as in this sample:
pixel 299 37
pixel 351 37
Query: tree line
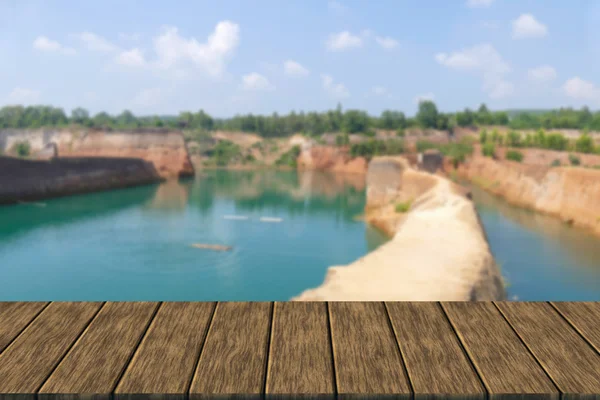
pixel 314 123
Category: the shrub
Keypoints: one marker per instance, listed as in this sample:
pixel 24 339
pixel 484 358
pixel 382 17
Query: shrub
pixel 489 150
pixel 495 136
pixel 403 207
pixel 23 149
pixel 555 163
pixel 556 141
pixel 369 133
pixel 513 139
pixel 342 139
pixel 289 158
pixel 400 132
pixel 423 145
pixel 574 160
pixel 457 152
pixel 373 147
pixel 539 140
pixel 226 152
pixel 584 144
pixel 483 136
pixel 249 158
pixel 514 155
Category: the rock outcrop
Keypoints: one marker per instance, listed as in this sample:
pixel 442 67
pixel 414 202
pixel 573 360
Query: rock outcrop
pixel 570 193
pixel 165 149
pixel 25 180
pixel 438 252
pixel 330 158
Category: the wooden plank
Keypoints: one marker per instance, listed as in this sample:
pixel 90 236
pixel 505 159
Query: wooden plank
pixel 234 357
pixel 99 357
pixel 25 365
pixel 165 360
pixel 366 355
pixel 14 317
pixel 300 360
pixel 584 317
pixel 502 361
pixel 435 361
pixel 570 361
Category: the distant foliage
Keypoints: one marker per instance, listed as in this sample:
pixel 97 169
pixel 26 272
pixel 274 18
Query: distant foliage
pixel 342 139
pixel 373 147
pixel 225 152
pixel 423 145
pixel 514 155
pixel 555 163
pixel 483 136
pixel 489 150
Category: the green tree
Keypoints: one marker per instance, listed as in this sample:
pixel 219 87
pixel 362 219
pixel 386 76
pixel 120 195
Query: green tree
pixel 584 144
pixel 427 115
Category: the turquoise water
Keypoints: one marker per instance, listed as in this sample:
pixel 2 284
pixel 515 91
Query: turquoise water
pixel 134 244
pixel 541 258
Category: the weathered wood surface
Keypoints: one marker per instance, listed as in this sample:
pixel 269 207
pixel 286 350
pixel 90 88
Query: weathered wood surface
pixel 319 350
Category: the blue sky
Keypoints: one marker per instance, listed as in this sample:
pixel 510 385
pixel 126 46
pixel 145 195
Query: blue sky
pixel 261 56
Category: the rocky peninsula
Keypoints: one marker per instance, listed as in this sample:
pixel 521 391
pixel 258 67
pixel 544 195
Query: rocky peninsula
pixel 438 252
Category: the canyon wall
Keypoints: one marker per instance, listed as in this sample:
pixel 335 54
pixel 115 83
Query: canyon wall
pixel 438 252
pixel 25 180
pixel 570 193
pixel 330 158
pixel 163 148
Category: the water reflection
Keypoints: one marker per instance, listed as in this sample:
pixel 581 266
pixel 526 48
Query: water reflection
pixel 542 257
pixel 295 193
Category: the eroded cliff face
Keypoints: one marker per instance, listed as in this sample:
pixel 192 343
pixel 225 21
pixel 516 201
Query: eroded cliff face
pixel 330 158
pixel 570 193
pixel 24 180
pixel 164 149
pixel 438 251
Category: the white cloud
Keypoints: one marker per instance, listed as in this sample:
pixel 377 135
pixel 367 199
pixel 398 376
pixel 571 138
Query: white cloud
pixel 379 90
pixel 386 42
pixel 343 41
pixel 336 6
pixel 94 42
pixel 580 89
pixel 337 90
pixel 173 50
pixel 482 60
pixel 24 96
pixel 256 82
pixel 292 68
pixel 134 37
pixel 543 73
pixel 424 97
pixel 526 26
pixel 479 3
pixel 42 43
pixel 131 58
pixel 148 98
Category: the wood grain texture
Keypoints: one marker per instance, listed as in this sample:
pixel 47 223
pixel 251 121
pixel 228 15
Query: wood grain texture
pixel 14 317
pixel 435 360
pixel 234 357
pixel 584 317
pixel 504 364
pixel 571 362
pixel 366 356
pixel 26 364
pixel 300 359
pixel 165 359
pixel 99 357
